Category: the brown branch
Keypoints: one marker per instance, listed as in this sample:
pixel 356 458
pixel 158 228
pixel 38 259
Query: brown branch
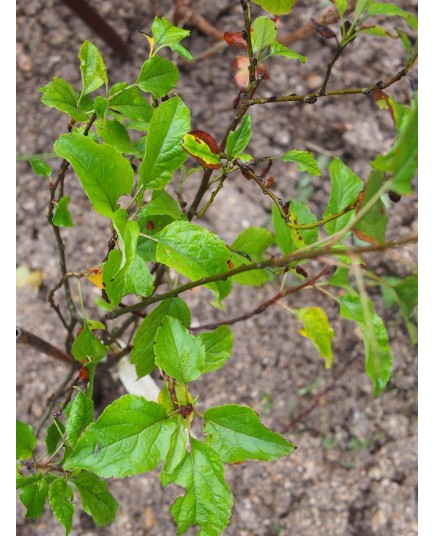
pixel 238 116
pixel 264 306
pixel 59 184
pixel 281 261
pixel 316 401
pixel 330 16
pixel 311 98
pixel 30 339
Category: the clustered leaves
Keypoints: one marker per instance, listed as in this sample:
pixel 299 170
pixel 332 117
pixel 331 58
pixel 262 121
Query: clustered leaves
pixel 130 165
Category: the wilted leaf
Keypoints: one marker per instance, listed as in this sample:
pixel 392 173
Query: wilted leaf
pixel 323 31
pixel 94 275
pixel 235 39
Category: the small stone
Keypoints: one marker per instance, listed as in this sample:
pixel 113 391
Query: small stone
pixel 149 517
pixel 313 81
pixel 379 519
pixel 24 61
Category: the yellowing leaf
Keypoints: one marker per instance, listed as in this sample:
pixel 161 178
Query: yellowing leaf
pixel 94 275
pixel 316 327
pixel 151 44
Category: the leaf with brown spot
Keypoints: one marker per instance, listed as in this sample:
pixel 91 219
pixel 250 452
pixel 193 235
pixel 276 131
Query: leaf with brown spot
pixel 203 148
pixel 94 275
pixel 383 101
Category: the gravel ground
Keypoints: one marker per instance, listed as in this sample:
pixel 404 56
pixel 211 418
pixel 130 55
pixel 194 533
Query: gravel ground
pixel 355 469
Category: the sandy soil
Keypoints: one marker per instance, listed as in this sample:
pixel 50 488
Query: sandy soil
pixel 355 469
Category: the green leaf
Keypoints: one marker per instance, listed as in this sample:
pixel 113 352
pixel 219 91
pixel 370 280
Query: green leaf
pixel 115 134
pixel 208 499
pixel 200 149
pixel 340 278
pixel 194 252
pixel 254 241
pixel 341 6
pixel 161 204
pixel 40 167
pixel 403 292
pixel 177 352
pixel 96 499
pixel 392 10
pixel 361 5
pixel 143 355
pixel 25 440
pixel 60 496
pixel 255 278
pixel 276 7
pixel 62 216
pixel 277 49
pixel 101 105
pixel 80 415
pixel 263 33
pixel 176 453
pixel 289 239
pixel 305 161
pixel 125 272
pixel 88 347
pixel 401 160
pixel 379 359
pixel 157 76
pixel 345 187
pixel 24 481
pixel 405 40
pixel 59 94
pixel 33 497
pixel 167 35
pixel 372 226
pixel 377 31
pixel 237 434
pixel 164 152
pixel 93 71
pixel 54 437
pixel 134 278
pixel 218 348
pixel 150 226
pixel 132 104
pixel 104 174
pixel 316 327
pixel 300 213
pixel 131 436
pixel 239 139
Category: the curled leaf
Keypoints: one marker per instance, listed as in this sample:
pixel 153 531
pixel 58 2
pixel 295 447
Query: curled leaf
pixel 324 31
pixel 235 39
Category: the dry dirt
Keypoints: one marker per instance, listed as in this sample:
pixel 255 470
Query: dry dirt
pixel 355 469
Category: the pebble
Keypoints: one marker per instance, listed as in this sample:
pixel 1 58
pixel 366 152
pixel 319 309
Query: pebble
pixel 24 61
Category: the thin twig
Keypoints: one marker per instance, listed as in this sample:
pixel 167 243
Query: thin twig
pixel 330 16
pixel 26 337
pixel 315 402
pixel 310 98
pixel 308 252
pixel 263 307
